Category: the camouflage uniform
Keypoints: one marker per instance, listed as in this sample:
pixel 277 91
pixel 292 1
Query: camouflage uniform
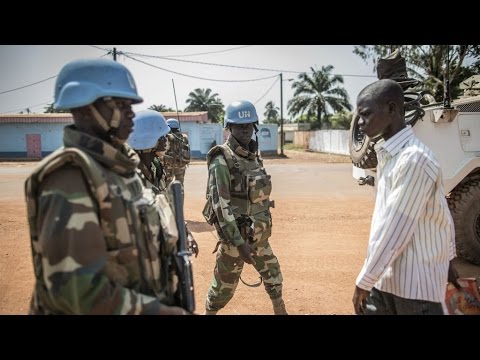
pixel 96 232
pixel 153 177
pixel 174 160
pixel 238 192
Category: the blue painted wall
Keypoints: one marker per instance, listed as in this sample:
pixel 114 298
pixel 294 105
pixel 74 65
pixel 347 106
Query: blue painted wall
pixel 13 142
pixel 201 136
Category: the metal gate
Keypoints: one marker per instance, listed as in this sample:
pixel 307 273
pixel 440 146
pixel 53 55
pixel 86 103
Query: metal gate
pixel 34 145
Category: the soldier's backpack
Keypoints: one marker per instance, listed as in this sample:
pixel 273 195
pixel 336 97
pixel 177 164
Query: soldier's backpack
pixel 185 150
pixel 178 152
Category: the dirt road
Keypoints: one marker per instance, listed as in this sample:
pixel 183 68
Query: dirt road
pixel 321 224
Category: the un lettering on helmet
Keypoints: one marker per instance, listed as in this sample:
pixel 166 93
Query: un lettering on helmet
pixel 244 114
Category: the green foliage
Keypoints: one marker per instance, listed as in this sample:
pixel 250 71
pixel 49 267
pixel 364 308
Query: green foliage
pixel 308 118
pixel 272 113
pixel 161 108
pixel 50 109
pixel 428 63
pixel 204 100
pixel 341 120
pixel 318 94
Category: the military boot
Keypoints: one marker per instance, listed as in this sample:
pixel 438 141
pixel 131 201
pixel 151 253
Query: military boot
pixel 210 312
pixel 279 307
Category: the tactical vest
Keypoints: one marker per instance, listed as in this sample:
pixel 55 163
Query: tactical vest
pixel 250 188
pixel 133 258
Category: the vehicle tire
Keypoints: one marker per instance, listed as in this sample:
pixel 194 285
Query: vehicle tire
pixel 464 204
pixel 361 147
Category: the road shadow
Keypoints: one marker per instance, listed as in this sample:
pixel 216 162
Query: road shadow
pixel 199 226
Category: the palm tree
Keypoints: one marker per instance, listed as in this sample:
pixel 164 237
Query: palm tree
pixel 271 113
pixel 203 100
pixel 50 109
pixel 161 108
pixel 318 94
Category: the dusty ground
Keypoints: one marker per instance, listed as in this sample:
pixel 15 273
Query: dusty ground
pixel 321 225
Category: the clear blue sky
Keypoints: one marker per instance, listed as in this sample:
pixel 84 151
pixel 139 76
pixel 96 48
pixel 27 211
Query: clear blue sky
pixel 21 65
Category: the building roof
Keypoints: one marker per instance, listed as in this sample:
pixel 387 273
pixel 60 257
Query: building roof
pixel 67 118
pixel 61 118
pixel 194 116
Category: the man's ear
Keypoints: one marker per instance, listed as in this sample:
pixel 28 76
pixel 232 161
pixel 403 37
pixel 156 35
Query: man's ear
pixel 392 107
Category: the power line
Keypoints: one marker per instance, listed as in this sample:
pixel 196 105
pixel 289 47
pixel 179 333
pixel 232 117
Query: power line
pixel 100 48
pixel 213 64
pixel 37 82
pixel 270 88
pixel 25 86
pixel 187 55
pixel 29 107
pixel 195 77
pixel 234 66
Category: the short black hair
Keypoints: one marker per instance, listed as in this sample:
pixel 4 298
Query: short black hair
pixel 384 90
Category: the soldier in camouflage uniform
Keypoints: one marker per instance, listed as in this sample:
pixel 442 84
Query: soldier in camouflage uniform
pixel 177 156
pixel 148 139
pixel 96 232
pixel 238 204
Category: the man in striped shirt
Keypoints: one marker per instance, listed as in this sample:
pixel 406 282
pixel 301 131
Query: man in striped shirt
pixel 412 237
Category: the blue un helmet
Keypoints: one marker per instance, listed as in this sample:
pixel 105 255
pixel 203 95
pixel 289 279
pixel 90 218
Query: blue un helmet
pixel 240 112
pixel 82 82
pixel 149 127
pixel 173 124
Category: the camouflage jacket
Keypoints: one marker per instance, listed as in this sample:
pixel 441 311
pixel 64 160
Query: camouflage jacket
pixel 95 232
pixel 153 177
pixel 177 154
pixel 238 189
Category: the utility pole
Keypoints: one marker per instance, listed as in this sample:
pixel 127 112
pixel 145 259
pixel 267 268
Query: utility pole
pixel 281 114
pixel 115 54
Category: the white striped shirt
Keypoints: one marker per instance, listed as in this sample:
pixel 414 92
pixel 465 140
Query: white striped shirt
pixel 412 237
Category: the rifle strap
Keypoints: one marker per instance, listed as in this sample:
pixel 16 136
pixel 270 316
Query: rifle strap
pixel 252 285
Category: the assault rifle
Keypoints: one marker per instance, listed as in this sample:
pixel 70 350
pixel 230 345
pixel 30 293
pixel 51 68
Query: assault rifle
pixel 183 264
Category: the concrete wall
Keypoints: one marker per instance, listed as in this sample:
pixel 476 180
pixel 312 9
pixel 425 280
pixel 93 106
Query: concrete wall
pixel 289 136
pixel 201 137
pixel 13 142
pixel 329 141
pixel 301 139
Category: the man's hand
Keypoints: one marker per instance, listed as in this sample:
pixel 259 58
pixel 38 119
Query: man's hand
pixel 453 275
pixel 359 300
pixel 246 252
pixel 192 244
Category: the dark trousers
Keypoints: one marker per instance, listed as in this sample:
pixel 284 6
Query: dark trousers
pixel 383 303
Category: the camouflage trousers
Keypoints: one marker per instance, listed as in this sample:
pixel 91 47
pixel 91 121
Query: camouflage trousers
pixel 228 269
pixel 177 173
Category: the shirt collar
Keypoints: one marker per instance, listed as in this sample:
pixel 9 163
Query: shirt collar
pixel 396 142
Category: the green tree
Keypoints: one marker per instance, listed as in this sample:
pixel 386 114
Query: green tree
pixel 341 120
pixel 427 63
pixel 204 100
pixel 318 94
pixel 271 113
pixel 50 109
pixel 161 108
